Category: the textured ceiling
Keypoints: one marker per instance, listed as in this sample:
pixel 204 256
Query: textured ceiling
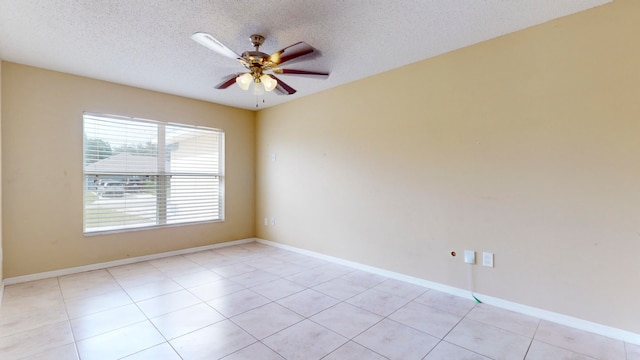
pixel 146 43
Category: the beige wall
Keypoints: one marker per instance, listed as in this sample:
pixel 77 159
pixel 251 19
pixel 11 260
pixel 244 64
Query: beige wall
pixel 526 146
pixel 42 168
pixel 1 246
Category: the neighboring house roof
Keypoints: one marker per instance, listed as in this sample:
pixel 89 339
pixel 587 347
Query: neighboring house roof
pixel 124 163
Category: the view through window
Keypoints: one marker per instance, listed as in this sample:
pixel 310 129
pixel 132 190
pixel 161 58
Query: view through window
pixel 142 173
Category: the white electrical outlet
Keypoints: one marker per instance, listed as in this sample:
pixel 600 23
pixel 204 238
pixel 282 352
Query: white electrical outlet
pixel 487 259
pixel 469 256
pixel 273 157
pixel 266 221
pixel 273 221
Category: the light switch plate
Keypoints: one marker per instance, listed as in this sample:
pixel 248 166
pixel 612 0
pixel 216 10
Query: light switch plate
pixel 487 259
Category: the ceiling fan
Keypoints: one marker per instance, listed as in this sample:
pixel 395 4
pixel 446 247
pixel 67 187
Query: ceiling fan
pixel 258 63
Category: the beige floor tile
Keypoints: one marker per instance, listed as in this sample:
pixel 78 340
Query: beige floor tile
pixel 176 265
pixel 14 299
pixel 233 251
pixel 132 282
pixel 307 302
pixel 316 275
pixel 36 288
pixel 206 258
pixel 212 342
pixel 215 289
pixel 363 278
pixel 285 269
pixel 542 351
pixel 167 303
pixel 504 319
pixel 197 278
pixel 396 341
pixel 153 289
pixel 178 272
pixel 266 320
pixel 278 289
pixel 90 305
pixel 234 269
pixel 254 352
pixel 120 343
pixel 98 289
pixel 306 261
pixel 266 263
pixel 353 351
pixel 172 262
pixel 132 270
pixel 446 302
pixel 88 284
pixel 336 270
pixel 163 351
pixel 32 342
pixel 65 352
pixel 238 302
pixel 253 278
pixel 31 313
pixel 90 290
pixel 379 302
pixel 305 340
pixel 259 247
pixel 106 321
pixel 32 294
pixel 579 341
pixel 426 319
pixel 340 288
pixel 86 277
pixel 184 321
pixel 633 351
pixel 447 351
pixel 401 288
pixel 488 340
pixel 346 320
pixel 221 261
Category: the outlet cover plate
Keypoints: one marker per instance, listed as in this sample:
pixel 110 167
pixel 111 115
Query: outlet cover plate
pixel 469 256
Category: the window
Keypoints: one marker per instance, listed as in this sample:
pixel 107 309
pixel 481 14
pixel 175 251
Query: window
pixel 142 173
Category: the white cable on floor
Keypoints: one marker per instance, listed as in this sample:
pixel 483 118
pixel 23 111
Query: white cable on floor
pixel 471 282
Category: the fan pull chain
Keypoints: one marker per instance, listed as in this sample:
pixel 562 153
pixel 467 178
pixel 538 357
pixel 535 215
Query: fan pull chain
pixel 257 100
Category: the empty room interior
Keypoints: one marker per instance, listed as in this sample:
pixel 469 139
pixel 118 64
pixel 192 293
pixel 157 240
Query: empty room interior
pixel 345 213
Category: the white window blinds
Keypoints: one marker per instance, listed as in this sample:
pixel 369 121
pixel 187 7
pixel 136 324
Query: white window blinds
pixel 141 173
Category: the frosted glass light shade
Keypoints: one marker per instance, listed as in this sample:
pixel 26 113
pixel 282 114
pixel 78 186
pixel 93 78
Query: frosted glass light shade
pixel 244 81
pixel 268 82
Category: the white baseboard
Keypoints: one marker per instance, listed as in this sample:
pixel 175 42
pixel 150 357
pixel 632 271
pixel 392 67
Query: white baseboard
pixel 108 264
pixel 573 322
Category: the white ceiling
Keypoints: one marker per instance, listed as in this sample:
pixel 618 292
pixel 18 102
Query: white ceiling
pixel 146 43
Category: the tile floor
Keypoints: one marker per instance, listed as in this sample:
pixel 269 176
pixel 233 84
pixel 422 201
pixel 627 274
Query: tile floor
pixel 254 301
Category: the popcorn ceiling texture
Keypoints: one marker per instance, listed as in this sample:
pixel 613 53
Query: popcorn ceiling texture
pixel 146 43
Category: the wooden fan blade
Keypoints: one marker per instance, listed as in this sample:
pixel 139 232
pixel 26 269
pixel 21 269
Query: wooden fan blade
pixel 210 42
pixel 282 88
pixel 230 80
pixel 291 52
pixel 299 72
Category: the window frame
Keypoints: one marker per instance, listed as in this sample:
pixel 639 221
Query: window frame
pixel 161 176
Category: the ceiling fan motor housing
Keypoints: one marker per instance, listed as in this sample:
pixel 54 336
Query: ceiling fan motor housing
pixel 257 40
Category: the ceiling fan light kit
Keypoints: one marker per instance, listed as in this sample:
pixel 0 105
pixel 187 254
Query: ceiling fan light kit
pixel 258 63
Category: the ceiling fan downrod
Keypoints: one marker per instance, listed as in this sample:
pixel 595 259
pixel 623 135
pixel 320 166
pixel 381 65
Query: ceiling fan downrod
pixel 256 40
